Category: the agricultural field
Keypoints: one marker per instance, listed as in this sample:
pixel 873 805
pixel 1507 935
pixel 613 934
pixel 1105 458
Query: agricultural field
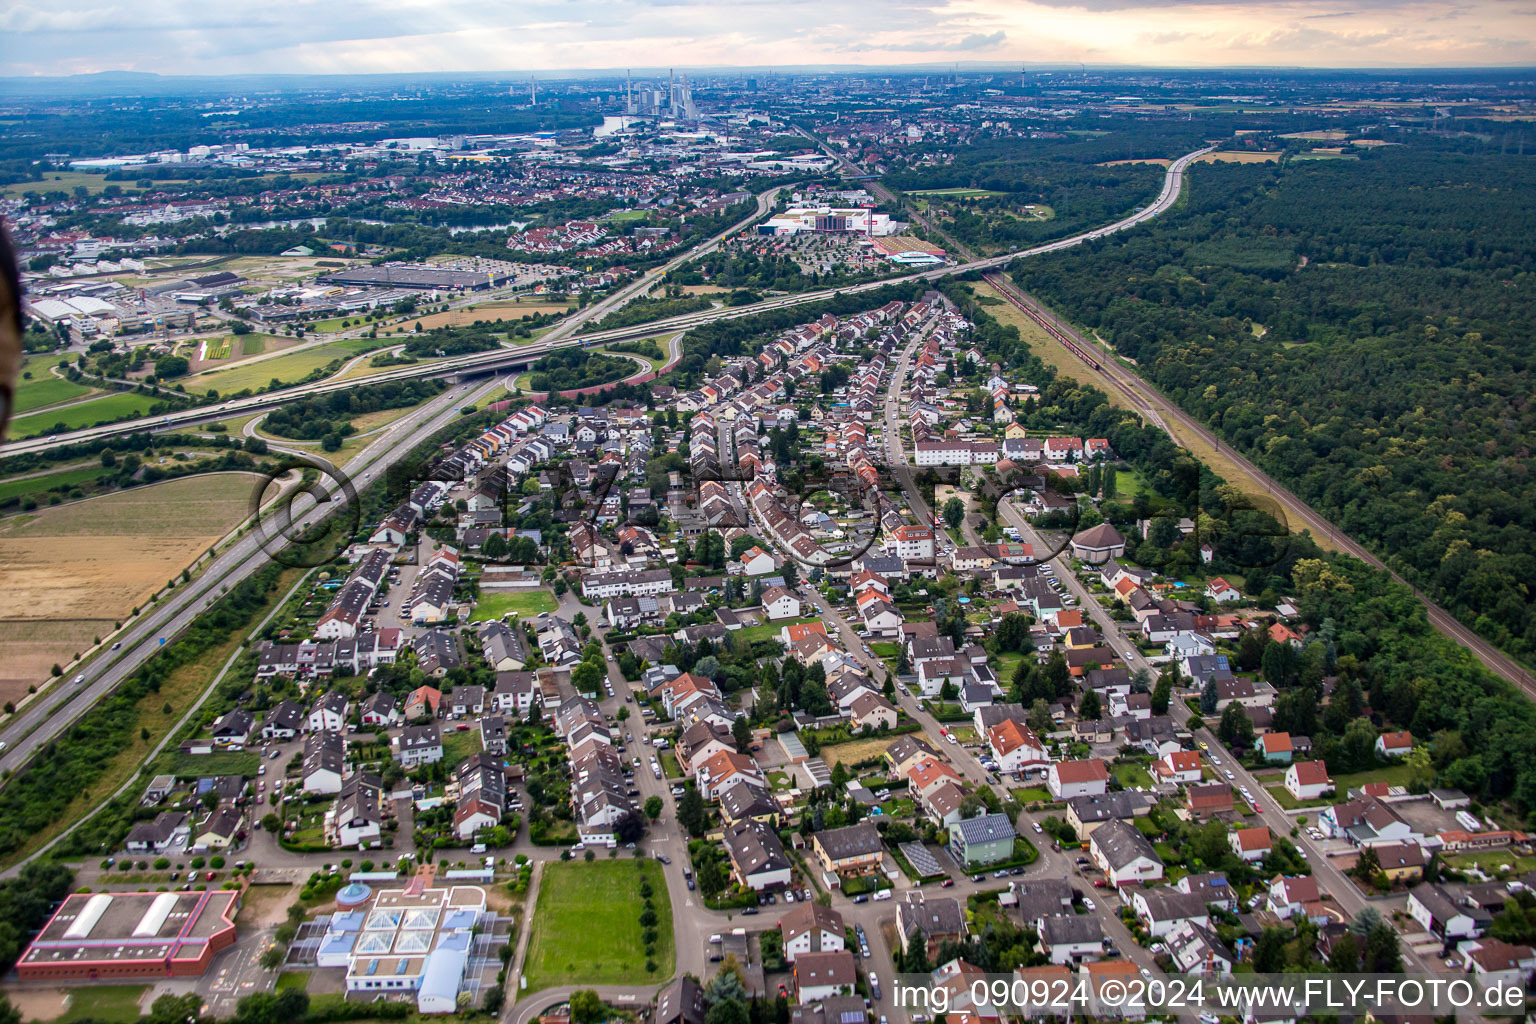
pixel 93 561
pixel 957 193
pixel 106 409
pixel 526 604
pixel 1238 157
pixel 586 927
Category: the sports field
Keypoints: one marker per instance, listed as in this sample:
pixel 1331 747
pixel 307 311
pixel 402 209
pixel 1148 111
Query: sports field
pixel 493 604
pixel 586 928
pixel 98 559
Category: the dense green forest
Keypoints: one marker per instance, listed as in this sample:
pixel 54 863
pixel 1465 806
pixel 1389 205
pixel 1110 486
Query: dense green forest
pixel 330 416
pixel 1372 349
pixel 567 368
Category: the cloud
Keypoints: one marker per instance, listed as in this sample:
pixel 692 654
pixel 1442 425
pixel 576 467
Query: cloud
pixel 374 36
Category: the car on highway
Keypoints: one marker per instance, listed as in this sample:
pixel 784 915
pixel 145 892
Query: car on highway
pixel 117 646
pixel 79 679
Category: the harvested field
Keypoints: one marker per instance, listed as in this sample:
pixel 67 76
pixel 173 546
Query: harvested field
pixel 1238 157
pixel 490 311
pixel 72 569
pixel 1159 161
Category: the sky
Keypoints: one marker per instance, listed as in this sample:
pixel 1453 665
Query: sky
pixel 57 37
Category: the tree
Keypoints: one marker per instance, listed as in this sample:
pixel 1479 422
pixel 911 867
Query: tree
pixel 1089 707
pixel 1344 956
pixel 1209 697
pixel 653 806
pixel 1040 717
pixel 495 546
pixel 587 1007
pixel 1269 951
pixel 272 958
pixel 1367 864
pixel 712 878
pixel 1235 728
pixel 954 512
pixel 915 959
pixel 1162 694
pixel 1381 955
pixel 690 811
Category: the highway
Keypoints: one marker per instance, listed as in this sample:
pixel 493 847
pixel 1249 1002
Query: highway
pixel 56 708
pixel 502 359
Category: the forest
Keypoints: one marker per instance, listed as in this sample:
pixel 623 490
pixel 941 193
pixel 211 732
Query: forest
pixel 569 368
pixel 1373 351
pixel 329 417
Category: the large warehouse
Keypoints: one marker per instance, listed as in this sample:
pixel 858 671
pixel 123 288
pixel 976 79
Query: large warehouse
pixel 132 935
pixel 420 278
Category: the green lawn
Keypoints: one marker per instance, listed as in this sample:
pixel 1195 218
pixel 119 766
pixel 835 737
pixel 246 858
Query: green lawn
pixel 459 746
pixel 44 388
pixel 288 368
pixel 293 979
pixel 39 484
pixel 1132 775
pixel 1290 803
pixel 768 630
pixel 1031 794
pixel 623 216
pixel 106 409
pixel 1392 775
pixel 107 1003
pixel 494 604
pixel 1128 484
pixel 586 928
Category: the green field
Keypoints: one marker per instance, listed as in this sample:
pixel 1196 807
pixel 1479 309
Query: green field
pixel 624 216
pixel 1392 775
pixel 65 181
pixel 527 603
pixel 460 746
pixel 106 409
pixel 287 368
pixel 768 630
pixel 586 928
pixel 108 1003
pixel 1132 775
pixel 253 344
pixel 44 389
pixel 39 484
pixel 958 193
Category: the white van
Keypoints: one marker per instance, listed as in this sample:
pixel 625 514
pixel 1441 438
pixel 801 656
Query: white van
pixel 883 894
pixel 477 848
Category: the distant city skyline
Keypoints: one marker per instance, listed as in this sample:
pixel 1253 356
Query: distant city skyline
pixel 411 36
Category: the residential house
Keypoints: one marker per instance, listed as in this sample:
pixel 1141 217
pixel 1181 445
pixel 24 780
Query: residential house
pixel 982 840
pixel 1124 854
pixel 1307 780
pixel 811 928
pixel 854 849
pixel 1068 779
pixel 757 857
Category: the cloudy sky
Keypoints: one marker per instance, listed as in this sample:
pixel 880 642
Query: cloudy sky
pixel 48 37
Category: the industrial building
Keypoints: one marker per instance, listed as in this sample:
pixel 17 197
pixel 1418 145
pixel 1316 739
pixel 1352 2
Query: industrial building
pixel 420 278
pixel 413 939
pixel 829 219
pixel 132 935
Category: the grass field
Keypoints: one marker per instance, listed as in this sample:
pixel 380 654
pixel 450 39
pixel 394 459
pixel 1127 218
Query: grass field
pixel 957 193
pixel 287 368
pixel 65 181
pixel 768 630
pixel 99 558
pixel 624 216
pixel 458 746
pixel 494 604
pixel 1392 775
pixel 107 1003
pixel 44 388
pixel 854 751
pixel 106 409
pixel 1132 775
pixel 28 649
pixel 39 484
pixel 586 927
